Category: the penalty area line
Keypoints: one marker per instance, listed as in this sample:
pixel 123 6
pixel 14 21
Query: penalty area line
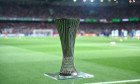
pixel 123 81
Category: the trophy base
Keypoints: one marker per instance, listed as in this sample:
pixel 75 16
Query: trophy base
pixel 80 75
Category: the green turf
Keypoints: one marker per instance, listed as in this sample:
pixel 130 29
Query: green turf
pixel 24 60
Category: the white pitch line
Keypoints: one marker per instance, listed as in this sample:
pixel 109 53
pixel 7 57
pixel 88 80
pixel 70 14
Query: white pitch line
pixel 123 81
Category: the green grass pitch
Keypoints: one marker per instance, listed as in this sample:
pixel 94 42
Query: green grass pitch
pixel 24 60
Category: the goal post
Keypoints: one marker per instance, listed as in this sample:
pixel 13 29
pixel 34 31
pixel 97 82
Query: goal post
pixel 44 32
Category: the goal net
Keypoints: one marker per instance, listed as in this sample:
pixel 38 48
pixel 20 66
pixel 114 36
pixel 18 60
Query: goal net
pixel 43 32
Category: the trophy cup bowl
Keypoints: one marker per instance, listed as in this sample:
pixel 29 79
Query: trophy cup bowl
pixel 67 29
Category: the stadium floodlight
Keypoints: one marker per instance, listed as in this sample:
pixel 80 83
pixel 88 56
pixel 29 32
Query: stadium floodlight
pixel 130 1
pixel 74 0
pixel 92 0
pixel 84 0
pixel 101 0
pixel 67 29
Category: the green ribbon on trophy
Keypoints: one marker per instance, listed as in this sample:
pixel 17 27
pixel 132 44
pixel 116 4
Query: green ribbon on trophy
pixel 67 29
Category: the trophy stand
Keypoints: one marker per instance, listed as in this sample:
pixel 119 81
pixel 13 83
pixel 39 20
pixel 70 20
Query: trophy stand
pixel 67 29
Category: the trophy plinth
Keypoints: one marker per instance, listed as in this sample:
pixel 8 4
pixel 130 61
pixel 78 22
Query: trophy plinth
pixel 80 75
pixel 67 29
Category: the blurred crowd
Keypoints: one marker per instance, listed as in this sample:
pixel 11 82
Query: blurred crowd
pixel 94 28
pixel 57 11
pixel 24 27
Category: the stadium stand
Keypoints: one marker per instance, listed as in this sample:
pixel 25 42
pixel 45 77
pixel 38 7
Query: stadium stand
pixel 51 11
pixel 58 11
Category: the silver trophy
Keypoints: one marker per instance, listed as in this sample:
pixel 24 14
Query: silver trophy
pixel 67 29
